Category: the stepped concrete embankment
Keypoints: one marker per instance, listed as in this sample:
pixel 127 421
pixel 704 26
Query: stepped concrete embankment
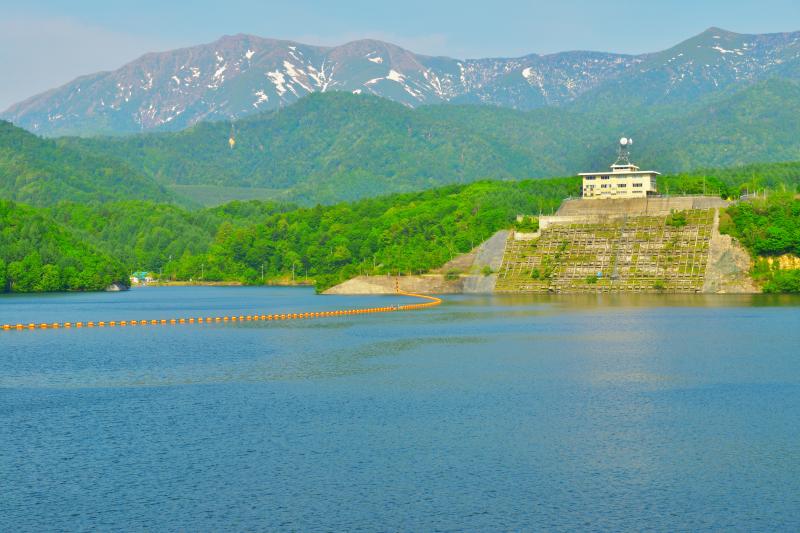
pixel 628 245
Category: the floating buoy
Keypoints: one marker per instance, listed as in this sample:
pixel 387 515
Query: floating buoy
pixel 234 318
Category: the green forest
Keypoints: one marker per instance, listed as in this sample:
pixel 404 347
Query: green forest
pixel 39 255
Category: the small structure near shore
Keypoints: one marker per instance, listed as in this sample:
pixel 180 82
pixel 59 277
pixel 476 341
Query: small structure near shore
pixel 141 278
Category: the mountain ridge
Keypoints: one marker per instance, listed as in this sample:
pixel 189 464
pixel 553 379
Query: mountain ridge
pixel 239 75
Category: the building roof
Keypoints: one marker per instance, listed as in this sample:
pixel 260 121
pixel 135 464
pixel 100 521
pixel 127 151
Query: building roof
pixel 619 173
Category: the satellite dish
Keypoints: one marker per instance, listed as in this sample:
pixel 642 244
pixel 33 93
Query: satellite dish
pixel 623 141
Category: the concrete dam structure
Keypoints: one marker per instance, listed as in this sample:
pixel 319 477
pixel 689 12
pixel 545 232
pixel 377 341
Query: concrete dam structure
pixel 654 244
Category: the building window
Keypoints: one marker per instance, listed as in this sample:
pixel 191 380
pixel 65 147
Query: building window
pixel 637 184
pixel 605 177
pixel 621 185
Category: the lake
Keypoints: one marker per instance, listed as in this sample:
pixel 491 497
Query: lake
pixel 485 413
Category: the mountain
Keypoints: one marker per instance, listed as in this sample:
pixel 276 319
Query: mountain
pixel 42 172
pixel 241 75
pixel 338 146
pixel 716 62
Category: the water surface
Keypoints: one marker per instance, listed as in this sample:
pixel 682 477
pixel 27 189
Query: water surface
pixel 486 413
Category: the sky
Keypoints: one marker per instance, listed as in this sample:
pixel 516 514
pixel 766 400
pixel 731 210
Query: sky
pixel 46 43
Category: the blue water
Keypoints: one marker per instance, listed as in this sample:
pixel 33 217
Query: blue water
pixel 486 413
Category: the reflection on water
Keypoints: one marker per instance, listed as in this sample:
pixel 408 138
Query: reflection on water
pixel 619 412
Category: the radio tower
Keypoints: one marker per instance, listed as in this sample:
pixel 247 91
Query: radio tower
pixel 624 153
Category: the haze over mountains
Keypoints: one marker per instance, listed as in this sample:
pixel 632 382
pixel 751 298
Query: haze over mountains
pixel 241 75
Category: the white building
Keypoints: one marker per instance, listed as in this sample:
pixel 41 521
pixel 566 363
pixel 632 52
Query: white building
pixel 624 181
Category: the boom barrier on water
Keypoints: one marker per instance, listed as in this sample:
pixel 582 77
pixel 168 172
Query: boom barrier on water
pixel 431 301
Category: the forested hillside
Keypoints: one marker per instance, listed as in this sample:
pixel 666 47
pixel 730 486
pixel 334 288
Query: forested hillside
pixel 337 146
pixel 731 182
pixel 41 172
pixel 39 255
pixel 400 232
pixel 334 147
pixel 146 236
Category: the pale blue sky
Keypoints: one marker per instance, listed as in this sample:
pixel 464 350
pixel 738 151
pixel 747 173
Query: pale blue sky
pixel 45 43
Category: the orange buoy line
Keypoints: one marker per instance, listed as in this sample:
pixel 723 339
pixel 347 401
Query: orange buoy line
pixel 432 301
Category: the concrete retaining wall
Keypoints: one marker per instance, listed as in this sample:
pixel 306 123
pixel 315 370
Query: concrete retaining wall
pixel 653 206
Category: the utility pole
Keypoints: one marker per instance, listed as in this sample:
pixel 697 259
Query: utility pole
pixel 203 271
pixel 262 272
pixel 293 271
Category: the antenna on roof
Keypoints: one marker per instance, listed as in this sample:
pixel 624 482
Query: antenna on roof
pixel 624 154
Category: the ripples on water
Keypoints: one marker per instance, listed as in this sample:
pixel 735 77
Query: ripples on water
pixel 486 413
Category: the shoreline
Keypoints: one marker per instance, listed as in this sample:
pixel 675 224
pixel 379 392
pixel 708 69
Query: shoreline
pixel 218 284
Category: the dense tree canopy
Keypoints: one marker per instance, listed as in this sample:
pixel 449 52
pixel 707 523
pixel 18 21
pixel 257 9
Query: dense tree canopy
pixel 38 255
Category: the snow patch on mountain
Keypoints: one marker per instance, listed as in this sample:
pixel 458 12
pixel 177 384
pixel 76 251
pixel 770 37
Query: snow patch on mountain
pixel 261 97
pixel 279 80
pixel 395 76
